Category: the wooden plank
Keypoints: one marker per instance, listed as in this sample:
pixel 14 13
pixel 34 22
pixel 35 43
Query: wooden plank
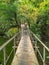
pixel 25 54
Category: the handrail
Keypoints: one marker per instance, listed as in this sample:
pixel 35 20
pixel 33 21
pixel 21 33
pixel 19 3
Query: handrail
pixel 3 48
pixel 40 41
pixel 45 48
pixel 5 44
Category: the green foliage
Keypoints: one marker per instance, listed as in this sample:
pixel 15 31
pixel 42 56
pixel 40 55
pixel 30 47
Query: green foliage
pixel 8 16
pixel 43 19
pixel 35 13
pixel 11 32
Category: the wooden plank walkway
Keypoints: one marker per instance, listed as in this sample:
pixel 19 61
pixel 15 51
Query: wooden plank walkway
pixel 25 54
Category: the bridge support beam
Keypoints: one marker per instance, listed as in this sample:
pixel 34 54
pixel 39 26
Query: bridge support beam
pixel 44 56
pixel 4 52
pixel 14 45
pixel 36 47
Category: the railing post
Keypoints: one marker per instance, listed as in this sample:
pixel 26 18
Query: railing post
pixel 44 56
pixel 14 44
pixel 4 52
pixel 36 47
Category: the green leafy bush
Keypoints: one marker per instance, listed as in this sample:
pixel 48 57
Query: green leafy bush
pixel 11 32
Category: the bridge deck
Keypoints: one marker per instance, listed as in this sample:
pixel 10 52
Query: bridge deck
pixel 25 54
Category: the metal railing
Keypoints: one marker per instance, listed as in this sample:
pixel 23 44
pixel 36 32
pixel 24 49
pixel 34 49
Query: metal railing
pixel 43 57
pixel 3 48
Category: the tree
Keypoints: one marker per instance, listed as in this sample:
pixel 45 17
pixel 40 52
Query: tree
pixel 8 16
pixel 43 20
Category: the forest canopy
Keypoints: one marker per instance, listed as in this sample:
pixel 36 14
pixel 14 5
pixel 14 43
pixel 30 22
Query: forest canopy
pixel 34 12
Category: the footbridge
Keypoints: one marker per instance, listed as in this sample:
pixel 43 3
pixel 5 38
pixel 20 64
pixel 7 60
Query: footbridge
pixel 26 51
pixel 25 54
